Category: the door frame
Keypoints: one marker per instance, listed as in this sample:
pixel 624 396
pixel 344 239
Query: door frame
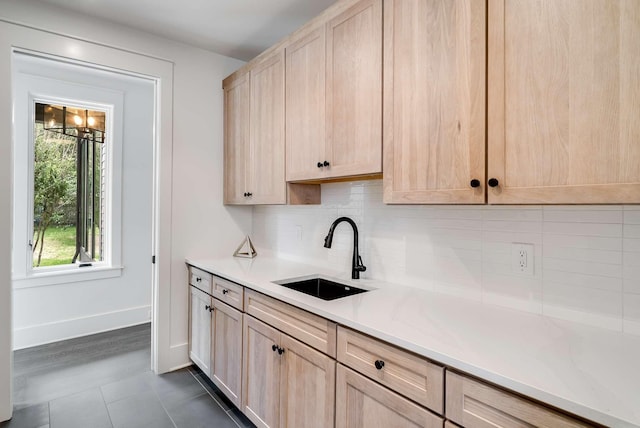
pixel 63 48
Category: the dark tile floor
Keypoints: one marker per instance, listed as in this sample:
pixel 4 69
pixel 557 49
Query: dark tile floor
pixel 104 380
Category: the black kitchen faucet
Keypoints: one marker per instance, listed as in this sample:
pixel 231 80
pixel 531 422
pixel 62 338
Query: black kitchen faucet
pixel 356 263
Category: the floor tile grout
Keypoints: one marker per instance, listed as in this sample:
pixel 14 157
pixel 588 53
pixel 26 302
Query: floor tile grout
pixel 106 406
pixel 69 371
pixel 214 398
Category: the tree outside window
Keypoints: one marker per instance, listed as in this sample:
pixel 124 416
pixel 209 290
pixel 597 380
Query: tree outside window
pixel 69 182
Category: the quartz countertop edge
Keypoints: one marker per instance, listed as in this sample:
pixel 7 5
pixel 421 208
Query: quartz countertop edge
pixel 588 371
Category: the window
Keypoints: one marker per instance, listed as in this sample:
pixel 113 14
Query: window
pixel 67 205
pixel 69 175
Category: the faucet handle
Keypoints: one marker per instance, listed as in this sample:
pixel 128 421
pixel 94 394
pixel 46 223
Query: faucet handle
pixel 360 267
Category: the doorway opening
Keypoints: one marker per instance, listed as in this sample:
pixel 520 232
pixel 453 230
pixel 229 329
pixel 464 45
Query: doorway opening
pixel 84 216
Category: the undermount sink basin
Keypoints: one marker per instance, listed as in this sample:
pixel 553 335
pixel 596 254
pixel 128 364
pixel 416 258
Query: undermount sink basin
pixel 321 288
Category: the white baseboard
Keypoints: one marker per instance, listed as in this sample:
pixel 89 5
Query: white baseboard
pixel 68 329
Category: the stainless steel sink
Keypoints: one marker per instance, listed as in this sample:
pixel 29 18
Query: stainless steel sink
pixel 321 288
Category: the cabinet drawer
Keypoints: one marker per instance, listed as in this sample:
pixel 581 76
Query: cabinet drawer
pixel 471 403
pixel 362 403
pixel 229 292
pixel 403 372
pixel 200 279
pixel 311 329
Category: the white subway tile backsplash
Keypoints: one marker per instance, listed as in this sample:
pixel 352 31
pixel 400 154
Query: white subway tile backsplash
pixel 583 254
pixel 498 236
pixel 584 216
pixel 585 229
pixel 632 245
pixel 578 266
pixel 632 313
pixel 631 258
pixel 577 241
pixel 512 226
pixel 631 285
pixel 513 214
pixel 583 279
pixel 632 216
pixel 632 230
pixel 584 207
pixel 586 257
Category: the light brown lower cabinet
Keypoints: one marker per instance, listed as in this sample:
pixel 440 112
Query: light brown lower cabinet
pixel 362 403
pixel 200 329
pixel 474 404
pixel 226 351
pixel 286 383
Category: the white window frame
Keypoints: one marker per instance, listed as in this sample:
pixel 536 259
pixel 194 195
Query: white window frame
pixel 31 89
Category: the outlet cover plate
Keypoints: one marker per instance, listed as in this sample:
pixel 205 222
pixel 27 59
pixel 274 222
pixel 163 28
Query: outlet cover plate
pixel 522 258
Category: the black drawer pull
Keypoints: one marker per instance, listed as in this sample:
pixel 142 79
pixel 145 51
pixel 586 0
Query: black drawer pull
pixel 379 364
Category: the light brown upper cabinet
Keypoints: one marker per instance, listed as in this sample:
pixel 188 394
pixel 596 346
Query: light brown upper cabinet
pixel 254 134
pixel 305 98
pixel 434 101
pixel 564 101
pixel 236 139
pixel 334 95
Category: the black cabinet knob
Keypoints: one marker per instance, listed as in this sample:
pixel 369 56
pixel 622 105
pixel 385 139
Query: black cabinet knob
pixel 245 194
pixel 475 183
pixel 198 279
pixel 280 350
pixel 379 364
pixel 225 291
pixel 274 347
pixel 320 165
pixel 249 194
pixel 493 182
pixel 326 163
pixel 208 308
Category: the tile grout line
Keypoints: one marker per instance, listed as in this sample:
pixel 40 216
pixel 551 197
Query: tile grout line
pixel 106 406
pixel 214 398
pixel 166 412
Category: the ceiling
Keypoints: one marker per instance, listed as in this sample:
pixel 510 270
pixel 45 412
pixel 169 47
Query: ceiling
pixel 236 28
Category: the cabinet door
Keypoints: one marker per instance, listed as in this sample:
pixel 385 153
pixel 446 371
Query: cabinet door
pixel 563 101
pixel 236 140
pixel 266 181
pixel 305 118
pixel 261 383
pixel 200 329
pixel 354 90
pixel 226 352
pixel 307 386
pixel 434 101
pixel 362 403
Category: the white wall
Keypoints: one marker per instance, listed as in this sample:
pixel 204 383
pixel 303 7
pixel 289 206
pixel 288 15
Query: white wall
pixel 586 265
pixel 201 225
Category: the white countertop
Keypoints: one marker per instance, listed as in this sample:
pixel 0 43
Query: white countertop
pixel 588 371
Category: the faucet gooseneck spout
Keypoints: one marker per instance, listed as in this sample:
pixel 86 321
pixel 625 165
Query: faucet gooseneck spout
pixel 356 263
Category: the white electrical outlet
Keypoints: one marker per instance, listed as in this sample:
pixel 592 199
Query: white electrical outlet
pixel 522 256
